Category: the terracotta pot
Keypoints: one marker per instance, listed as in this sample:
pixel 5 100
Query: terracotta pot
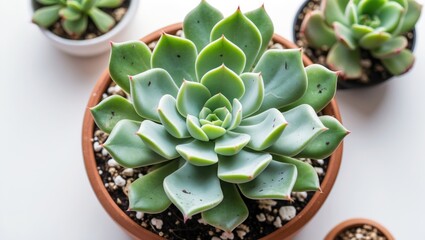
pixel 95 46
pixel 357 222
pixel 138 232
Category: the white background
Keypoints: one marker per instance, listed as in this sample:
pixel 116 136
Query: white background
pixel 44 191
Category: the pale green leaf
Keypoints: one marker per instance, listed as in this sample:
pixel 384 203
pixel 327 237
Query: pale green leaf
pixel 225 81
pixel 147 88
pixel 194 128
pixel 194 189
pixel 316 31
pixel 103 21
pixel 264 24
pixel 170 118
pixel 349 66
pixel 254 93
pixel 191 98
pixel 303 126
pixel 75 28
pixel 112 110
pixel 128 149
pixel 231 143
pixel 198 153
pixel 242 167
pixel 46 16
pixel 399 63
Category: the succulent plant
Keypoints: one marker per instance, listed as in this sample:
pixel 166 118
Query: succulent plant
pixel 347 26
pixel 216 114
pixel 75 14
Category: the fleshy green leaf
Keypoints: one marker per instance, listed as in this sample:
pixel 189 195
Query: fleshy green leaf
pixel 284 77
pixel 326 143
pixel 170 118
pixel 177 56
pixel 344 35
pixel 242 32
pixel 198 153
pixel 49 2
pixel 128 149
pixel 128 59
pixel 111 110
pixel 374 39
pixel 264 24
pixel 220 52
pixel 391 47
pixel 236 114
pixel 264 128
pixel 69 14
pixel 194 189
pixel 242 167
pixel 191 98
pixel 231 143
pixel 410 18
pixel 349 66
pixel 370 6
pixel 225 81
pixel 321 88
pixel 303 127
pixel 87 4
pixel 147 194
pixel 218 101
pixel 156 137
pixel 307 179
pixel 390 15
pixel 359 31
pixel 275 182
pixel 213 131
pixel 77 27
pixel 254 93
pixel 199 22
pixel 316 31
pixel 103 21
pixel 194 128
pixel 231 212
pixel 400 63
pixel 334 11
pixel 351 13
pixel 147 88
pixel 46 16
pixel 108 3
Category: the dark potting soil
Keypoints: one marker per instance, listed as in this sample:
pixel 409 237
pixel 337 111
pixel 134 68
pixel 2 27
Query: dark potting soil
pixel 374 71
pixel 363 232
pixel 91 32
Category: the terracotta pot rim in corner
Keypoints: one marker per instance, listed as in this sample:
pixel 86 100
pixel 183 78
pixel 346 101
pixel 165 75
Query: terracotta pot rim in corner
pixel 139 232
pixel 354 222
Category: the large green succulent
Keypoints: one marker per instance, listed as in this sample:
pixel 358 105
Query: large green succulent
pixel 75 14
pixel 378 26
pixel 213 121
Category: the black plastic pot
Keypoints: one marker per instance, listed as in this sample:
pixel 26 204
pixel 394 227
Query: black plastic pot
pixel 374 77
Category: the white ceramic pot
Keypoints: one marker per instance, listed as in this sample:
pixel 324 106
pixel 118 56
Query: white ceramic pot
pixel 95 46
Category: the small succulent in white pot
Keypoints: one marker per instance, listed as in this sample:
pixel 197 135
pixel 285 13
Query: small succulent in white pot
pixel 66 23
pixel 217 115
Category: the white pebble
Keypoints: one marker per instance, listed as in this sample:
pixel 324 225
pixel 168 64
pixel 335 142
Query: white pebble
pixel 157 223
pixel 111 90
pixel 319 170
pixel 277 223
pixel 104 96
pixel 261 217
pixel 112 163
pixel 117 89
pixel 128 172
pixel 301 196
pixel 152 45
pixel 104 152
pixel 202 221
pixel 97 147
pixel 227 235
pixel 277 46
pixel 139 215
pixel 320 161
pixel 215 238
pixel 241 234
pixel 119 181
pixel 287 212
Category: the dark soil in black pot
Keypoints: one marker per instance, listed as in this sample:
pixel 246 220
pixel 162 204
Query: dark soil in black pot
pixel 374 72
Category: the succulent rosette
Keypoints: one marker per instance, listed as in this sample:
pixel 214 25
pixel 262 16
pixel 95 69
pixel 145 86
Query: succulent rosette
pixel 216 115
pixel 75 14
pixel 378 26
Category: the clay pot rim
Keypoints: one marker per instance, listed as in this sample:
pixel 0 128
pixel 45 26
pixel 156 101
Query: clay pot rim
pixel 354 222
pixel 348 84
pixel 136 230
